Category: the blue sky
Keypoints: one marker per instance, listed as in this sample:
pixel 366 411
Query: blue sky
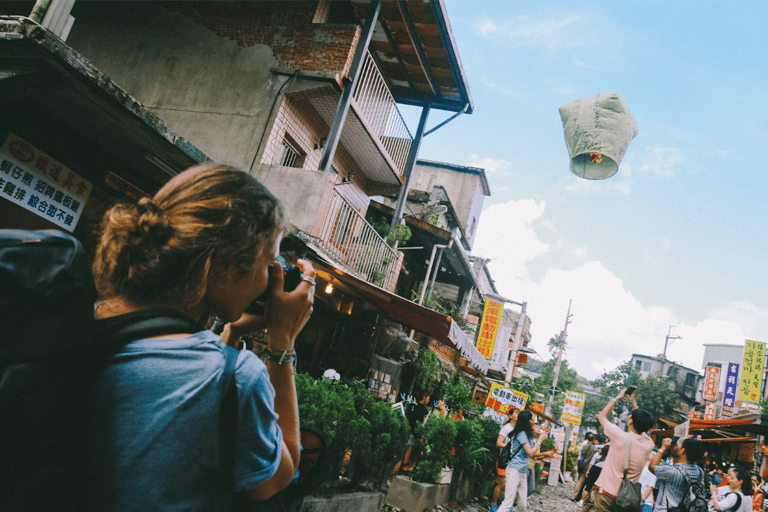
pixel 678 235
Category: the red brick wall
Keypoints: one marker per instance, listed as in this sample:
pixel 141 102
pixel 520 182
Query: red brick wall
pixel 286 27
pixel 444 351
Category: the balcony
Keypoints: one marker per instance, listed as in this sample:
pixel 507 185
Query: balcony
pixel 374 132
pixel 349 238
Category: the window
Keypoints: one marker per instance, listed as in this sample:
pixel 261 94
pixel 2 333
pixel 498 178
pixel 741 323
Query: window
pixel 289 156
pixel 647 366
pixel 672 372
pixel 638 364
pixel 690 380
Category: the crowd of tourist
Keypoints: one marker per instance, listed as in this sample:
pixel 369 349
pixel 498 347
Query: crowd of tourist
pixel 671 475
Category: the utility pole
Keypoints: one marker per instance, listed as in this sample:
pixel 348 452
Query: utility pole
pixel 516 344
pixel 559 358
pixel 666 342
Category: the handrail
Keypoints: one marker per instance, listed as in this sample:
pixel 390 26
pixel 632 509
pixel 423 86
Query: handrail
pixel 376 103
pixel 347 236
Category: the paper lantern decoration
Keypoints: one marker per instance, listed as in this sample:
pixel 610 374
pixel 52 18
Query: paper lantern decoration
pixel 598 131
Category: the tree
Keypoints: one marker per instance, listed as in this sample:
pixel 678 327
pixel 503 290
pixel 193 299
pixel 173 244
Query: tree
pixel 653 393
pixel 555 342
pixel 567 381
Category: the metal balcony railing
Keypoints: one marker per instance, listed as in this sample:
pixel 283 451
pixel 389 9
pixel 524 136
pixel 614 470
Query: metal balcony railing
pixel 348 237
pixel 376 103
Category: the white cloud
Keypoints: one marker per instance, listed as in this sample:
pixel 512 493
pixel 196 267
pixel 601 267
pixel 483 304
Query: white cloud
pixel 491 165
pixel 662 161
pixel 608 323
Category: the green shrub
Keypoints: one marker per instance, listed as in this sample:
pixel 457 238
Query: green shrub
pixel 350 418
pixel 438 435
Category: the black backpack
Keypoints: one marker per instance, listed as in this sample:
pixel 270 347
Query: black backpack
pixel 696 497
pixel 50 351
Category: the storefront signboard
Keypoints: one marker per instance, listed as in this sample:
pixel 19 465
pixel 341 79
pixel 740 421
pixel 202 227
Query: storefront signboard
pixel 711 381
pixel 489 327
pixel 36 182
pixel 731 386
pixel 574 405
pixel 502 398
pixel 752 371
pixel 709 411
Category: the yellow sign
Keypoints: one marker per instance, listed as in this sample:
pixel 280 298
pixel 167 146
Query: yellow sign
pixel 502 398
pixel 36 182
pixel 752 371
pixel 489 327
pixel 574 405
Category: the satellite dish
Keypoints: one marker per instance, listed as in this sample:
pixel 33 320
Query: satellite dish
pixel 598 131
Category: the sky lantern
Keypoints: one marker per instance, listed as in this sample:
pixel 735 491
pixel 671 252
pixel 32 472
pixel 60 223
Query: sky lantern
pixel 598 131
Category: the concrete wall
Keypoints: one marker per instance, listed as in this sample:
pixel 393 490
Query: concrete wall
pixel 464 189
pixel 302 192
pixel 213 88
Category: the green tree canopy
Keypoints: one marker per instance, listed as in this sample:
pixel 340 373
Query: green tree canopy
pixel 567 381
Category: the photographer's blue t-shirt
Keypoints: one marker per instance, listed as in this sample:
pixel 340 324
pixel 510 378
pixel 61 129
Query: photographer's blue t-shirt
pixel 159 416
pixel 521 458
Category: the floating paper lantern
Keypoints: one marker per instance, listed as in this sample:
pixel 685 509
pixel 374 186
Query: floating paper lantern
pixel 598 131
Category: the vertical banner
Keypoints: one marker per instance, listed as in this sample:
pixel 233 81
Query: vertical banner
pixel 731 385
pixel 36 182
pixel 711 382
pixel 489 327
pixel 574 405
pixel 709 412
pixel 752 371
pixel 502 398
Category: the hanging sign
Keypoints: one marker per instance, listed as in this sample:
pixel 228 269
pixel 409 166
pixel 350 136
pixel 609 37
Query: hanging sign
pixel 502 398
pixel 709 411
pixel 489 327
pixel 711 381
pixel 574 405
pixel 752 371
pixel 36 182
pixel 731 385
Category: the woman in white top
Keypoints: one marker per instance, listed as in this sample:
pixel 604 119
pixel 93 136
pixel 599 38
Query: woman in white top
pixel 734 497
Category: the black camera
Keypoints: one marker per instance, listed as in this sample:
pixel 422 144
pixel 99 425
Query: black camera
pixel 291 279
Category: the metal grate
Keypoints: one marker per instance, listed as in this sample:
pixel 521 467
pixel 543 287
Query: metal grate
pixel 289 157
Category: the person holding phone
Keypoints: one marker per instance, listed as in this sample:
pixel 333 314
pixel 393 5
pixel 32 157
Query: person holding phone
pixel 607 485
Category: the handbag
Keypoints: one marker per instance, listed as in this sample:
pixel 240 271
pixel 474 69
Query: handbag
pixel 628 498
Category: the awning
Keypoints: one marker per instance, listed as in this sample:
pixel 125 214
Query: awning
pixel 725 430
pixel 441 327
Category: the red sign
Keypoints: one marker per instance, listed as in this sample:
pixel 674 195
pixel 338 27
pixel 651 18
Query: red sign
pixel 711 381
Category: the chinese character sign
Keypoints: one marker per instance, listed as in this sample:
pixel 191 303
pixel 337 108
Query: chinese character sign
pixel 709 412
pixel 502 398
pixel 574 405
pixel 711 380
pixel 752 371
pixel 731 385
pixel 489 327
pixel 31 179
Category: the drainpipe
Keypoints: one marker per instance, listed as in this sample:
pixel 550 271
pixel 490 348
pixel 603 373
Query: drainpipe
pixel 429 268
pixel 437 267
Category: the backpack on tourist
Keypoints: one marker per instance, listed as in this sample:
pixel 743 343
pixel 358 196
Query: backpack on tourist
pixel 50 350
pixel 695 497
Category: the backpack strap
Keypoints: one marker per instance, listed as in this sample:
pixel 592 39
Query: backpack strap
pixel 228 421
pixel 144 323
pixel 627 450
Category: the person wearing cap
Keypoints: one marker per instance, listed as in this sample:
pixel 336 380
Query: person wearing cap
pixel 674 480
pixel 607 485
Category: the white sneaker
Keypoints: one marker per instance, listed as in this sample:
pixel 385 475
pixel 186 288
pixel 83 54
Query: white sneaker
pixel 580 502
